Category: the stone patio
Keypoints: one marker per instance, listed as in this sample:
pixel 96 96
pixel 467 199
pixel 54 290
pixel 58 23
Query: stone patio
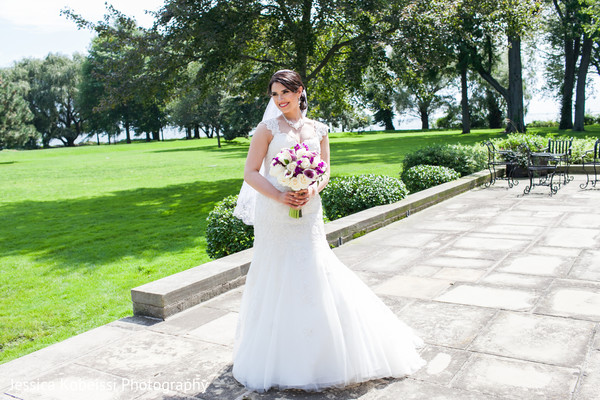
pixel 503 288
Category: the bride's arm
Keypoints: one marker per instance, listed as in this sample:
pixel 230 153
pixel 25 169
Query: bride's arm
pixel 256 154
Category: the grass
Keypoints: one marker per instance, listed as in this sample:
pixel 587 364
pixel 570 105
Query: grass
pixel 80 227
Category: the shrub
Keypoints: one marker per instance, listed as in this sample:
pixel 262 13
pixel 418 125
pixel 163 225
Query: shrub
pixel 542 124
pixel 536 143
pixel 463 159
pixel 421 177
pixel 226 234
pixel 513 140
pixel 590 119
pixel 348 195
pixel 580 146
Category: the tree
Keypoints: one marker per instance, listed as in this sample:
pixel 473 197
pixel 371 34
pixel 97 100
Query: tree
pixel 183 110
pixel 473 31
pixel 516 19
pixel 378 96
pixel 256 37
pixel 53 87
pixel 124 80
pixel 420 92
pixel 16 130
pixel 572 32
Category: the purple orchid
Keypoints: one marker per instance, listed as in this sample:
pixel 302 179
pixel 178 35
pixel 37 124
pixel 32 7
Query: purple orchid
pixel 309 173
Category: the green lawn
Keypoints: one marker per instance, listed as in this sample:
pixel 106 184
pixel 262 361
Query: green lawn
pixel 80 227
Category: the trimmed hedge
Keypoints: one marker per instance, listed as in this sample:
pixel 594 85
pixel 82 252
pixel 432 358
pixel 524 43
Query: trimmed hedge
pixel 536 143
pixel 421 177
pixel 463 159
pixel 226 234
pixel 351 194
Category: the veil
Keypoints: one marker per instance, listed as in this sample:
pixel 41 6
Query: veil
pixel 246 202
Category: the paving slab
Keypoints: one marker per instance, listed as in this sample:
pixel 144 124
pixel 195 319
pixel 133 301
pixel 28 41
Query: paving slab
pixel 410 389
pixel 60 353
pixel 459 274
pixel 459 262
pixel 572 238
pixel 534 264
pixel 570 298
pixel 422 270
pixel 155 357
pixel 554 251
pixel 74 382
pixel 580 220
pixel 353 253
pixel 413 286
pixel 544 339
pixel 488 296
pixel 476 242
pixel 519 230
pixel 589 388
pixel 443 363
pixel 219 331
pixel 392 236
pixel 181 324
pixel 393 259
pixel 587 267
pixel 444 324
pixel 516 379
pixel 516 280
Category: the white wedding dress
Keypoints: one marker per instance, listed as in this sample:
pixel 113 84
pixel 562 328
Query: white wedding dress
pixel 306 321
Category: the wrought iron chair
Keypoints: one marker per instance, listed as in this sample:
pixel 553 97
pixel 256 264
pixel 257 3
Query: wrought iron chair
pixel 541 168
pixel 595 153
pixel 505 158
pixel 562 150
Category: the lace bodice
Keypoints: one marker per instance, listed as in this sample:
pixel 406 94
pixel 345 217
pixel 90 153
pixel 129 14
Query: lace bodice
pixel 312 135
pixel 284 138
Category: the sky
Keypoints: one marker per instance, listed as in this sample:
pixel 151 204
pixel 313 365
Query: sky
pixel 34 28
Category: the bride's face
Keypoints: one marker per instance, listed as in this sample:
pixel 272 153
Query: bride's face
pixel 285 99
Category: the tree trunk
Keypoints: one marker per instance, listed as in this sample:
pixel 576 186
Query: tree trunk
pixel 188 132
pixel 208 132
pixel 464 101
pixel 566 103
pixel 127 133
pixel 302 43
pixel 196 131
pixel 156 135
pixel 424 113
pixel 218 137
pixel 389 122
pixel 148 139
pixel 494 116
pixel 46 141
pixel 586 52
pixel 515 85
pixel 98 138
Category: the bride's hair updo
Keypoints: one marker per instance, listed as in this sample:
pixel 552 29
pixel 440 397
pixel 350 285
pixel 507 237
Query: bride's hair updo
pixel 291 80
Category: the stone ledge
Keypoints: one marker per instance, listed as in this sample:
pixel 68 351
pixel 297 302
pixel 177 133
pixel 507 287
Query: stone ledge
pixel 166 297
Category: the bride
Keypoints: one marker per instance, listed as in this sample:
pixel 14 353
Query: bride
pixel 306 321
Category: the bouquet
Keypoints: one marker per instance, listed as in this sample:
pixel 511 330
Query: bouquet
pixel 298 168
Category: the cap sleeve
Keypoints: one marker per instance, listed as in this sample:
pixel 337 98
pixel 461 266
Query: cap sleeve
pixel 272 125
pixel 321 129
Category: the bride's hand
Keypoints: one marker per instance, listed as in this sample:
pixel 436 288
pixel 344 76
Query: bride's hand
pixel 298 199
